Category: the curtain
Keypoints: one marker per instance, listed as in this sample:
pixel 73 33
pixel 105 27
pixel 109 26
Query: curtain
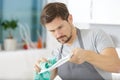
pixel 1 2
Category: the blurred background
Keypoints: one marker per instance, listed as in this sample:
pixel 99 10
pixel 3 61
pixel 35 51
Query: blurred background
pixel 22 45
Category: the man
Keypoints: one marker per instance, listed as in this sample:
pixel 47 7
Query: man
pixel 94 56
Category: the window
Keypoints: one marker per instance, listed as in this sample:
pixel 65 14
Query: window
pixel 0 21
pixel 26 12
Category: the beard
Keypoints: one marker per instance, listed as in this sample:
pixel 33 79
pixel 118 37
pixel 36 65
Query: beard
pixel 64 39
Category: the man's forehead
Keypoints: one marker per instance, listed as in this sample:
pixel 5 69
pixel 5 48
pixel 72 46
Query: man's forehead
pixel 54 25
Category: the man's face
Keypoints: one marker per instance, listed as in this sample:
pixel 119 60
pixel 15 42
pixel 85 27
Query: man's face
pixel 60 29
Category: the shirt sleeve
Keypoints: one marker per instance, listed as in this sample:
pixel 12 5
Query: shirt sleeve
pixel 103 40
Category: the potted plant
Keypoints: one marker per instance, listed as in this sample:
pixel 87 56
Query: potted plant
pixel 9 43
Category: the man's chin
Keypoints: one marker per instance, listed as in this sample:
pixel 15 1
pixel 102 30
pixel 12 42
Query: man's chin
pixel 62 42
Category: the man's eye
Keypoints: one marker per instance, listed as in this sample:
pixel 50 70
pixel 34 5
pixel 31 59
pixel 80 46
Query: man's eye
pixel 60 27
pixel 52 30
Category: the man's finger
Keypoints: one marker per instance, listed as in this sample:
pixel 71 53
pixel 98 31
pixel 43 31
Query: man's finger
pixel 36 68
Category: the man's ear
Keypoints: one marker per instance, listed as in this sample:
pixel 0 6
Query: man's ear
pixel 70 19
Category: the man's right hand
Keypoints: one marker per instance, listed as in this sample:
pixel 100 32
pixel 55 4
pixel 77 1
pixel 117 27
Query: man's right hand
pixel 37 67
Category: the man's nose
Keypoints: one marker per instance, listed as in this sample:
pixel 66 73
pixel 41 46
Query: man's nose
pixel 58 33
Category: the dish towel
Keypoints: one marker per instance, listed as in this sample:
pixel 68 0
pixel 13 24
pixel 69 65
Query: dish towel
pixel 44 65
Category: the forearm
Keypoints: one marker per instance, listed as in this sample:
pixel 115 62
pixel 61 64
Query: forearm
pixel 104 62
pixel 53 74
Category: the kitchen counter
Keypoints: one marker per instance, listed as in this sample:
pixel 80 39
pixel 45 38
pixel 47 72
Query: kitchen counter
pixel 19 64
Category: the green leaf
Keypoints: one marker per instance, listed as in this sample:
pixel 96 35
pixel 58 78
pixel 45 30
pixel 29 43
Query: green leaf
pixel 9 24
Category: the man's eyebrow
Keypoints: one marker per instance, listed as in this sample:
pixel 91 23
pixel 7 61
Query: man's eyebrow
pixel 57 27
pixel 51 30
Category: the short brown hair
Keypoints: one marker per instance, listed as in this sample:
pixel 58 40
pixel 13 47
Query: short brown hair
pixel 53 10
